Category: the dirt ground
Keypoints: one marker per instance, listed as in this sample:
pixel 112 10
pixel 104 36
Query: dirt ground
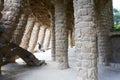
pixel 19 70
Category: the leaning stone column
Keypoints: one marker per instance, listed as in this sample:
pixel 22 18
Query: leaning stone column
pixel 47 38
pixel 18 33
pixel 61 34
pixel 34 37
pixel 105 18
pixel 85 37
pixel 10 18
pixel 27 34
pixel 42 34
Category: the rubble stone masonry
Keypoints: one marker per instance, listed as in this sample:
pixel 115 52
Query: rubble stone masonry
pixel 85 37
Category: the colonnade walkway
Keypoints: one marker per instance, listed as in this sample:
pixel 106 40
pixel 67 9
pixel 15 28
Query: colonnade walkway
pixel 20 71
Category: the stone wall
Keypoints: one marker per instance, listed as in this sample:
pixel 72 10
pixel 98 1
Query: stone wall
pixel 115 39
pixel 105 24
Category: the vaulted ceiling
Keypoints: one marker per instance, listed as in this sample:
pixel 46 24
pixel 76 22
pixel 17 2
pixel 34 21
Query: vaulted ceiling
pixel 42 9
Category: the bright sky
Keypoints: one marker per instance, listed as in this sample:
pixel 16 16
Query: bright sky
pixel 116 4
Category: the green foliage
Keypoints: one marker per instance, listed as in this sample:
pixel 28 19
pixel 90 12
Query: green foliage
pixel 117 27
pixel 115 10
pixel 116 19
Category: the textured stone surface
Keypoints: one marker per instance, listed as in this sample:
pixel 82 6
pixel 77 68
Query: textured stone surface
pixel 70 39
pixel 10 50
pixel 18 33
pixel 34 37
pixel 40 9
pixel 10 18
pixel 27 34
pixel 73 37
pixel 105 19
pixel 85 30
pixel 47 38
pixel 53 36
pixel 41 36
pixel 61 34
pixel 1 7
pixel 115 39
pixel 85 37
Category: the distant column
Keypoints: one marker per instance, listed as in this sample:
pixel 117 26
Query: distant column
pixel 34 37
pixel 18 33
pixel 47 38
pixel 28 30
pixel 70 38
pixel 41 34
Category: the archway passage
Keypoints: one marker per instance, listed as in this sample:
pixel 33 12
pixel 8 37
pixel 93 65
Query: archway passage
pixel 64 23
pixel 9 48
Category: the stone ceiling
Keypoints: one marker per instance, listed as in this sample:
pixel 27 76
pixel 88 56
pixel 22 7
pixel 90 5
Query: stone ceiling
pixel 41 9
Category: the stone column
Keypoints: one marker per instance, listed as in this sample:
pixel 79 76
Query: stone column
pixel 34 37
pixel 70 21
pixel 47 38
pixel 61 34
pixel 42 34
pixel 1 7
pixel 18 33
pixel 27 34
pixel 105 18
pixel 85 37
pixel 53 36
pixel 10 18
pixel 70 38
